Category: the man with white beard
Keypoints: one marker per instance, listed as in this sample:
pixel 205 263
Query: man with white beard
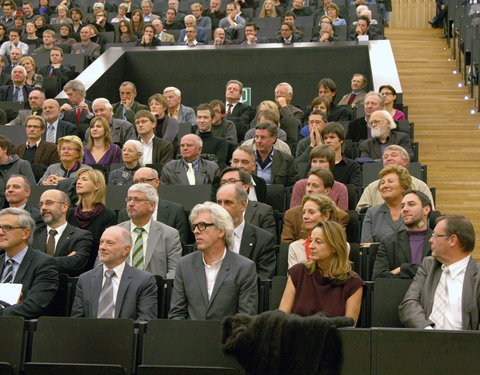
pixel 381 124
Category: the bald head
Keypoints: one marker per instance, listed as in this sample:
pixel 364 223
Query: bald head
pixel 50 110
pixel 146 175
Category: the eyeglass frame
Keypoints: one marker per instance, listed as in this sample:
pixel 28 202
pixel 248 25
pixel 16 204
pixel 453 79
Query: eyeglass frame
pixel 203 224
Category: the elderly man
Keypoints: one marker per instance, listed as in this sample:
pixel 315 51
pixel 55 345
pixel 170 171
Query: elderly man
pixel 237 111
pixel 358 129
pixel 382 126
pixel 191 169
pixel 35 100
pixel 219 37
pixel 56 128
pixel 176 109
pixel 56 67
pixel 214 13
pixel 116 289
pixel 157 248
pixel 291 117
pixel 86 46
pixel 79 110
pixel 317 120
pixel 327 89
pixel 120 130
pixel 393 155
pixel 166 212
pixel 160 33
pixel 274 166
pixel 147 7
pixel 214 282
pixel 17 192
pixel 126 108
pixel 211 145
pixel 15 56
pixel 17 91
pixel 358 84
pixel 14 42
pixel 248 240
pixel 299 8
pixel 21 264
pixel 244 158
pixel 445 292
pixel 36 150
pixel 401 253
pixel 70 246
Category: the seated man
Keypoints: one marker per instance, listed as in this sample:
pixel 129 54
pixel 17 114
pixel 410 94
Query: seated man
pixel 382 124
pixel 274 166
pixel 14 42
pixel 190 21
pixel 444 293
pixel 15 56
pixel 147 8
pixel 191 169
pixel 176 109
pixel 35 100
pixel 49 39
pixel 288 35
pixel 56 67
pixel 327 89
pixel 221 127
pixel 135 294
pixel 86 46
pixel 171 22
pixel 358 84
pixel 291 117
pixel 358 129
pixel 155 150
pixel 18 91
pixel 38 273
pixel 70 246
pixel 214 13
pixel 270 116
pixel 161 34
pixel 299 8
pixel 219 37
pixel 190 37
pixel 317 120
pixel 244 158
pixel 251 37
pixel 199 293
pixel 126 108
pixel 237 111
pixel 233 22
pixel 36 150
pixel 197 10
pixel 248 240
pixel 400 254
pixel 17 192
pixel 363 31
pixel 211 145
pixel 79 110
pixel 56 128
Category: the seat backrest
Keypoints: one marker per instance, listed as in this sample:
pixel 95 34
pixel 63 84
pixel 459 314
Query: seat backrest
pixel 276 197
pixel 11 336
pixel 16 134
pixel 387 295
pixel 38 368
pixel 276 292
pixel 267 27
pixel 188 196
pixel 36 192
pixel 185 370
pixel 116 195
pixel 282 259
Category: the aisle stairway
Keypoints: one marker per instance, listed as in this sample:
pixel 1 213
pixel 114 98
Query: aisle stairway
pixel 449 135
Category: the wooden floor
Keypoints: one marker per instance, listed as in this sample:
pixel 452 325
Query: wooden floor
pixel 449 135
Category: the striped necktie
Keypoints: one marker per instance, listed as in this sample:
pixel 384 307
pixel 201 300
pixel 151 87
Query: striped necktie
pixel 9 272
pixel 137 256
pixel 106 307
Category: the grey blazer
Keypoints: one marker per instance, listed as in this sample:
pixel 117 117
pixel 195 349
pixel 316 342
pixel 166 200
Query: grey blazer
pixel 417 304
pixel 22 117
pixel 173 173
pixel 235 289
pixel 136 296
pixel 261 215
pixel 164 249
pixel 378 224
pixel 186 115
pixel 92 49
pixel 371 148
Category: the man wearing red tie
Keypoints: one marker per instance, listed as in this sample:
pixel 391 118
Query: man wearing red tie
pixel 359 82
pixel 79 110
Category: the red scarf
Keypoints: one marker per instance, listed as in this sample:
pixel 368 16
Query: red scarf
pixel 308 241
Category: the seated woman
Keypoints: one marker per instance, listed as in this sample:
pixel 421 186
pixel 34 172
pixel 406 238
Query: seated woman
pixel 33 78
pixel 383 220
pixel 148 37
pixel 42 25
pixel 132 156
pixel 30 36
pixel 65 35
pixel 70 149
pixel 320 104
pixel 62 16
pixel 333 11
pixel 327 282
pixel 125 33
pixel 100 149
pixel 167 127
pixel 323 157
pixel 91 213
pixel 268 10
pixel 43 9
pixel 389 98
pixel 137 20
pixel 316 208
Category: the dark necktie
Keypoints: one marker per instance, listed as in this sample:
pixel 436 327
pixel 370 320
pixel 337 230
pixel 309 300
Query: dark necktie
pixel 51 242
pixel 9 271
pixel 351 98
pixel 51 71
pixel 229 110
pixel 16 94
pixel 106 306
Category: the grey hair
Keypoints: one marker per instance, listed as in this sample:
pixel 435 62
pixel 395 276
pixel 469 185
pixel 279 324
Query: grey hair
pixel 197 138
pixel 149 191
pixel 176 91
pixel 400 149
pixel 146 1
pixel 126 83
pixel 24 219
pixel 139 148
pixel 286 84
pixel 377 94
pixel 123 5
pixel 220 218
pixel 388 117
pixel 76 86
pixel 98 5
pixel 26 183
pixel 190 16
pixel 24 71
pixel 104 101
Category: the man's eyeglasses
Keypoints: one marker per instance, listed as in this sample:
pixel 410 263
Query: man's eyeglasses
pixel 135 200
pixel 201 226
pixel 143 180
pixel 434 235
pixel 229 181
pixel 8 228
pixel 48 203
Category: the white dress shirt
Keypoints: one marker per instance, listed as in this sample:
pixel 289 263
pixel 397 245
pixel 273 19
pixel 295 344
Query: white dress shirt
pixel 59 230
pixel 147 150
pixel 252 194
pixel 237 237
pixel 115 281
pixel 211 272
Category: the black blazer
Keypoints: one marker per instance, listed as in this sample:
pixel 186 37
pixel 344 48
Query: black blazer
pixel 71 116
pixel 63 73
pixel 72 239
pixel 259 245
pixel 39 278
pixel 169 213
pixel 241 116
pixel 357 130
pixel 64 128
pixel 6 93
pixel 260 188
pixel 295 39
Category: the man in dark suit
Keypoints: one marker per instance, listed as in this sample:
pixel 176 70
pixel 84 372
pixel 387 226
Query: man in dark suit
pixel 18 91
pixel 358 128
pixel 17 191
pixel 211 144
pixel 191 169
pixel 231 290
pixel 237 112
pixel 445 293
pixel 56 67
pixel 288 35
pixel 21 264
pixel 400 254
pixel 79 110
pixel 155 150
pixel 35 99
pixel 251 37
pixel 291 117
pixel 244 158
pixel 36 150
pixel 166 212
pixel 127 107
pixel 136 292
pixel 248 240
pixel 70 246
pixel 56 128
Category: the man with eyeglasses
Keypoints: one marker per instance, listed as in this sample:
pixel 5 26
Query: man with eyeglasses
pixel 400 254
pixel 214 282
pixel 382 125
pixel 156 246
pixel 166 212
pixel 68 245
pixel 445 293
pixel 21 264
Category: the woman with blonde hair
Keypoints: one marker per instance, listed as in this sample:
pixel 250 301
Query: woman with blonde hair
pixel 326 283
pixel 268 10
pixel 33 79
pixel 100 149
